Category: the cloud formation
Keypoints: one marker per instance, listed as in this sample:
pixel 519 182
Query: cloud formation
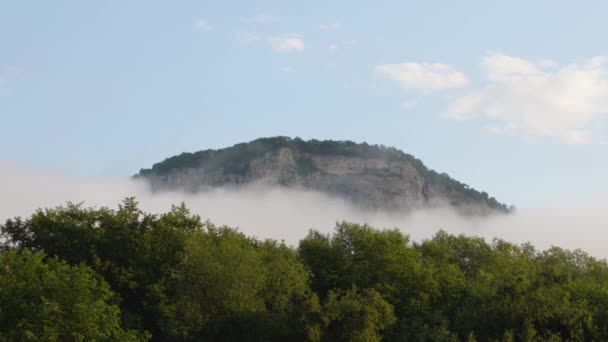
pixel 534 99
pixel 538 99
pixel 286 43
pixel 279 213
pixel 464 107
pixel 424 77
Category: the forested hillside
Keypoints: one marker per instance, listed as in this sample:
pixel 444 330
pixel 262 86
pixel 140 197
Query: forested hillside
pixel 372 176
pixel 73 273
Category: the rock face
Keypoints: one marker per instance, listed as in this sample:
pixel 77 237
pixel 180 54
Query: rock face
pixel 368 175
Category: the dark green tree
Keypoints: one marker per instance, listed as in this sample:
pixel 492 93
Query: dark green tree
pixel 356 315
pixel 45 299
pixel 236 288
pixel 135 252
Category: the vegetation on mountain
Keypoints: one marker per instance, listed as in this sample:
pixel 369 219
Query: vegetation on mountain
pixel 235 161
pixel 237 157
pixel 72 273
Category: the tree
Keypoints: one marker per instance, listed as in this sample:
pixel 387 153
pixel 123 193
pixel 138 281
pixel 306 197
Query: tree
pixel 356 315
pixel 49 300
pixel 368 258
pixel 136 253
pixel 73 273
pixel 236 288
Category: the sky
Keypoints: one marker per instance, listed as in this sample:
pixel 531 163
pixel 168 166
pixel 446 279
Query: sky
pixel 508 97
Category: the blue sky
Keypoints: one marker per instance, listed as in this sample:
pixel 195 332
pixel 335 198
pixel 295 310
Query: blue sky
pixel 508 97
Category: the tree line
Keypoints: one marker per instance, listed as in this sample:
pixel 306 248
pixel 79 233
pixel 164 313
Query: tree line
pixel 73 273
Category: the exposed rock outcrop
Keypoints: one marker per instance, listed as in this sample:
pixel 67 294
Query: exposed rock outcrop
pixel 368 175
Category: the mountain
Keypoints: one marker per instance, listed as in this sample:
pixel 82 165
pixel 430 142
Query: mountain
pixel 370 176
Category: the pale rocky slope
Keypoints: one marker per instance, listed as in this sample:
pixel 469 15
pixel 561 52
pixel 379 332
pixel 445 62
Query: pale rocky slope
pixel 367 175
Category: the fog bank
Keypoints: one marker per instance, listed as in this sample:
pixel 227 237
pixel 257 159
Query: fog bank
pixel 288 215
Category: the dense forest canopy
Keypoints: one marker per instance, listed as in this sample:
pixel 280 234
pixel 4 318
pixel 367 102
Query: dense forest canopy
pixel 73 273
pixel 236 160
pixel 246 151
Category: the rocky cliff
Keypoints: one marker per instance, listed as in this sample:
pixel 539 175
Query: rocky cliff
pixel 368 175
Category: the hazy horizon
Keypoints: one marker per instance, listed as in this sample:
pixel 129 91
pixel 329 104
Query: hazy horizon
pixel 287 214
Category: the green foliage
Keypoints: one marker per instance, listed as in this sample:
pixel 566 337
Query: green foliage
pixel 48 300
pixel 360 255
pixel 515 293
pixel 135 252
pixel 221 279
pixel 235 159
pixel 75 274
pixel 452 288
pixel 236 288
pixel 444 181
pixel 371 259
pixel 306 166
pixel 356 315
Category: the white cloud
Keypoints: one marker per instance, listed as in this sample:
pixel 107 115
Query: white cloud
pixel 332 48
pixel 464 107
pixel 349 42
pixel 286 43
pixel 262 18
pixel 426 77
pixel 265 212
pixel 283 43
pixel 246 37
pixel 203 25
pixel 287 68
pixel 331 64
pixel 330 26
pixel 547 63
pixel 539 99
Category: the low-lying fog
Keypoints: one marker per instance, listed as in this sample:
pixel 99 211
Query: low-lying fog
pixel 288 215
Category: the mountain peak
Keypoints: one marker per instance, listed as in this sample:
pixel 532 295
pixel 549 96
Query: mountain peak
pixel 372 176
